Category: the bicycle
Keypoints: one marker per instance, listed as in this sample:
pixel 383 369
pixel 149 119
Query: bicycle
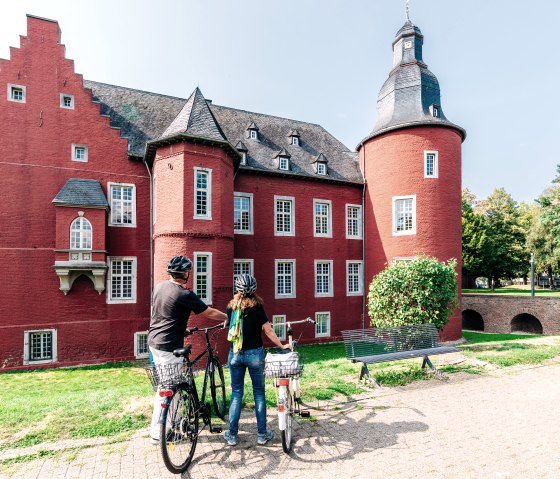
pixel 286 369
pixel 183 407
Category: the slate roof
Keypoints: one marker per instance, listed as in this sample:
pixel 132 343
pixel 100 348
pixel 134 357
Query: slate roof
pixel 145 117
pixel 78 192
pixel 408 95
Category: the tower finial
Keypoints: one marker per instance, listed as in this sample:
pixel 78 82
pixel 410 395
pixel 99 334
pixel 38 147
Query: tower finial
pixel 407 11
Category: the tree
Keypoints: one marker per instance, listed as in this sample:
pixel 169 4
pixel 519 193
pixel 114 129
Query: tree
pixel 509 257
pixel 477 247
pixel 420 291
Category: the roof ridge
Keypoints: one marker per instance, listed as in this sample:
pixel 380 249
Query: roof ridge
pixel 136 89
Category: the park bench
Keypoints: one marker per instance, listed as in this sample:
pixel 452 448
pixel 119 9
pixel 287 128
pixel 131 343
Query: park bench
pixel 378 345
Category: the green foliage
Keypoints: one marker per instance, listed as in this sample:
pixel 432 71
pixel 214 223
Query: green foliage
pixel 493 237
pixel 420 291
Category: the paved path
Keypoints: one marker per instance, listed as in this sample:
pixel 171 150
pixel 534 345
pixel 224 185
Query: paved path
pixel 504 424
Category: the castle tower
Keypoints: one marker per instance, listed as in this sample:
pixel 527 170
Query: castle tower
pixel 193 171
pixel 411 162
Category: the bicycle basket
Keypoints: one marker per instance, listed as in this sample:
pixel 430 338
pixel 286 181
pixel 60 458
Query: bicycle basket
pixel 283 365
pixel 167 376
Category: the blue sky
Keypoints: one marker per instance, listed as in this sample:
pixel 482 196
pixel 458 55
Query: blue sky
pixel 325 61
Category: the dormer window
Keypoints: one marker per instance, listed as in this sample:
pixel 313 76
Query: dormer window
pixel 284 163
pixel 435 111
pixel 321 169
pixel 320 164
pixel 253 132
pixel 242 149
pixel 294 138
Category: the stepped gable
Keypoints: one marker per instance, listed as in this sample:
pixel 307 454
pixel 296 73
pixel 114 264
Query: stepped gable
pixel 79 192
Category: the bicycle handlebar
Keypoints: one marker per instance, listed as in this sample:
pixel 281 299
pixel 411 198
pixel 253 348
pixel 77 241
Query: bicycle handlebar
pixel 306 320
pixel 190 331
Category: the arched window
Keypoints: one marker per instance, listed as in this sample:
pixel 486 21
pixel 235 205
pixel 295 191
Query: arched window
pixel 80 234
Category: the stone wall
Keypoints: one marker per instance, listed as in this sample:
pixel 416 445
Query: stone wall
pixel 498 311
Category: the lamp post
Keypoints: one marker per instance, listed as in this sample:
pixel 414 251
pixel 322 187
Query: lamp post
pixel 532 275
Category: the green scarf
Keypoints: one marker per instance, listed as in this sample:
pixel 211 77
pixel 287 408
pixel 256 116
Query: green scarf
pixel 235 333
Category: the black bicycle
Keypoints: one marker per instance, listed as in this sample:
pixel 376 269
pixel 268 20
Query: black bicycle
pixel 183 408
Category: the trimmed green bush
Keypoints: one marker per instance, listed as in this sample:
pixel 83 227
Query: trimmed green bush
pixel 420 291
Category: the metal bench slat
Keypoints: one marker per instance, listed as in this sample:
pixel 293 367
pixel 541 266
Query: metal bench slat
pixel 380 358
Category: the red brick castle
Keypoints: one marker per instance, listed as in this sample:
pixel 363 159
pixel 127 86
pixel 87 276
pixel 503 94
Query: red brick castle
pixel 102 184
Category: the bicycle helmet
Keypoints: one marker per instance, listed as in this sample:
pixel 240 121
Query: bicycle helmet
pixel 245 284
pixel 179 265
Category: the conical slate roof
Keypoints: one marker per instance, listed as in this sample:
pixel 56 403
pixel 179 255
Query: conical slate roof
pixel 196 120
pixel 411 94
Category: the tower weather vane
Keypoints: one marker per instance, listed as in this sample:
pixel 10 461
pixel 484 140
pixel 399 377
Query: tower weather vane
pixel 407 11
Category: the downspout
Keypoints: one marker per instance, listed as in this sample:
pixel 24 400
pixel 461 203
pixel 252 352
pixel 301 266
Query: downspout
pixel 364 300
pixel 151 231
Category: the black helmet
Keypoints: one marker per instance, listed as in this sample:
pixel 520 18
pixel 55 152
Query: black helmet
pixel 245 284
pixel 179 265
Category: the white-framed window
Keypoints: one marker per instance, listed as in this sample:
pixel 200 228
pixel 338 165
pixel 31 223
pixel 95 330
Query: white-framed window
pixel 40 346
pixel 202 194
pixel 203 275
pixel 16 93
pixel 253 135
pixel 243 213
pixel 295 140
pixel 284 219
pixel 283 163
pixel 322 218
pixel 285 278
pixel 322 324
pixel 122 200
pixel 121 279
pixel 321 168
pixel 430 164
pixel 244 158
pixel 354 278
pixel 242 266
pixel 80 153
pixel 66 101
pixel 279 326
pixel 404 215
pixel 80 234
pixel 323 278
pixel 354 221
pixel 141 349
pixel 435 111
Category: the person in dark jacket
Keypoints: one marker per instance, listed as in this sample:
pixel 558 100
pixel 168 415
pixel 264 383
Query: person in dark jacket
pixel 247 322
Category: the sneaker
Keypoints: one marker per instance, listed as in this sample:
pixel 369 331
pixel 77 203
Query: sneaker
pixel 154 441
pixel 231 439
pixel 264 438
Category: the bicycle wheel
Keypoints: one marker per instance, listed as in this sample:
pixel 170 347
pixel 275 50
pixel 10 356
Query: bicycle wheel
pixel 289 412
pixel 218 388
pixel 179 431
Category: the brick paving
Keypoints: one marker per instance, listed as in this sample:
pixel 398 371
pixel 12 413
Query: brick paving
pixel 500 425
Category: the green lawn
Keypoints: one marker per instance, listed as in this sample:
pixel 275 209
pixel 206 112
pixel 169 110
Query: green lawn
pixel 114 400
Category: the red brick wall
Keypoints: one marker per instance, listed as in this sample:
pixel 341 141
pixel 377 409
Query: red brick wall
pixel 263 247
pixel 35 140
pixel 394 166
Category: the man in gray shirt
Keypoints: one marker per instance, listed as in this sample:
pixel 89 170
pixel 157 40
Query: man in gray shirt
pixel 173 303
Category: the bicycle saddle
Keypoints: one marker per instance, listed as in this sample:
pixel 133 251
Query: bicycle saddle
pixel 183 351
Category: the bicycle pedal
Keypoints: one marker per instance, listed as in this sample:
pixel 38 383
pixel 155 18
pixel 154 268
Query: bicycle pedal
pixel 216 429
pixel 304 413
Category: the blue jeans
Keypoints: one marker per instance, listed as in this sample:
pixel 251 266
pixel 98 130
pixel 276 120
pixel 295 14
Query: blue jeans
pixel 253 359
